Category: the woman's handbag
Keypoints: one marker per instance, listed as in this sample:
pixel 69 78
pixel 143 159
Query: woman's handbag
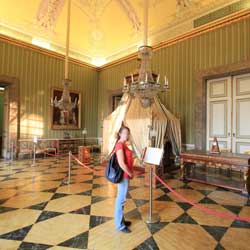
pixel 114 173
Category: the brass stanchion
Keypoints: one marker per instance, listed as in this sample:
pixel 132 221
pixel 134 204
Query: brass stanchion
pixel 152 218
pixel 34 155
pixel 151 156
pixel 69 169
pixel 11 153
pixel 35 141
pixel 56 156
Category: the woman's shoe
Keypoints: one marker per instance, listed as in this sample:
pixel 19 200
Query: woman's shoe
pixel 125 230
pixel 127 223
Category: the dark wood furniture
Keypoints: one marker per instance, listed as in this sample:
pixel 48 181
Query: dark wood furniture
pixel 228 161
pixel 65 145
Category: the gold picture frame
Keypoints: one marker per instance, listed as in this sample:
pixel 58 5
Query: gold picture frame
pixel 60 120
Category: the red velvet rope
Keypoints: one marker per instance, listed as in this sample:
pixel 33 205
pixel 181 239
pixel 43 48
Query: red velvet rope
pixel 80 163
pixel 204 209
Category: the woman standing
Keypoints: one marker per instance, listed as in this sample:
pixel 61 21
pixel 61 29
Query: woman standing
pixel 125 160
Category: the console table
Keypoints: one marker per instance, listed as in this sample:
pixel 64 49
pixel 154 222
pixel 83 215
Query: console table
pixel 65 145
pixel 228 161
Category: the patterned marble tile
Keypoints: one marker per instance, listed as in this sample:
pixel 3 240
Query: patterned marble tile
pixel 168 211
pixel 39 210
pixel 208 219
pixel 104 237
pixel 236 238
pixel 177 236
pixel 16 219
pixel 58 229
pixel 9 244
pixel 26 200
pixel 74 188
pixel 190 194
pixel 228 198
pixel 68 203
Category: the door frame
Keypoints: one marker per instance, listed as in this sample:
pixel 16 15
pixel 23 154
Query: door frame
pixel 227 99
pixel 12 86
pixel 202 76
pixel 237 98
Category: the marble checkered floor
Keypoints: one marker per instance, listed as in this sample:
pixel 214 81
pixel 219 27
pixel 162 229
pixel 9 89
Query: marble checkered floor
pixel 39 211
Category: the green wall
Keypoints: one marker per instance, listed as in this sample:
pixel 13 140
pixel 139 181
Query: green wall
pixel 37 73
pixel 181 62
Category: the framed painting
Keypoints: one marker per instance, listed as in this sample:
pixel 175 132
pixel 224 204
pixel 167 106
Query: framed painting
pixel 61 119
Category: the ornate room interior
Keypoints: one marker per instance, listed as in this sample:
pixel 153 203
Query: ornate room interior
pixel 73 73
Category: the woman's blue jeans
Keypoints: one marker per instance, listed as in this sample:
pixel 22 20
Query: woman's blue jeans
pixel 122 190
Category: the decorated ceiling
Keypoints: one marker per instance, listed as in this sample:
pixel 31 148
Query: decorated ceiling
pixel 101 30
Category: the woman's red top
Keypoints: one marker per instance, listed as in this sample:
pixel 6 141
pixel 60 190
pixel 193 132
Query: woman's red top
pixel 128 157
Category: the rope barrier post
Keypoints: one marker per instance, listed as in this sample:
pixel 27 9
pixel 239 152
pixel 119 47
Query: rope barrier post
pixel 11 153
pixel 35 141
pixel 69 169
pixel 34 155
pixel 56 156
pixel 152 218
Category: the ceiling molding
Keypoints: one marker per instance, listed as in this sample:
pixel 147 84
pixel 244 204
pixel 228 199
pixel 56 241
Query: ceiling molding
pixel 131 14
pixel 35 48
pixel 48 13
pixel 101 37
pixel 182 24
pixel 197 31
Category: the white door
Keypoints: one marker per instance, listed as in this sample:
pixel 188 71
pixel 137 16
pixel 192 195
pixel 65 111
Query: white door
pixel 219 102
pixel 241 114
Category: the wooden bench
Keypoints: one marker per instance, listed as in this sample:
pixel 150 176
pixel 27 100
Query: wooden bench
pixel 224 160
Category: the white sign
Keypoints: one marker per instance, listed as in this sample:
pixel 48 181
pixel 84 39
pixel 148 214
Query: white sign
pixel 153 155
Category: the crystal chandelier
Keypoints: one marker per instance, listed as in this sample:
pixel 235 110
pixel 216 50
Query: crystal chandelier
pixel 146 84
pixel 65 104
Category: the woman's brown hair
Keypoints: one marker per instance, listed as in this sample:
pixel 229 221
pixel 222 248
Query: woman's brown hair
pixel 120 130
pixel 118 136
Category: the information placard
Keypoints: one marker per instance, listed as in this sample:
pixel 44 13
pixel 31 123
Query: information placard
pixel 153 155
